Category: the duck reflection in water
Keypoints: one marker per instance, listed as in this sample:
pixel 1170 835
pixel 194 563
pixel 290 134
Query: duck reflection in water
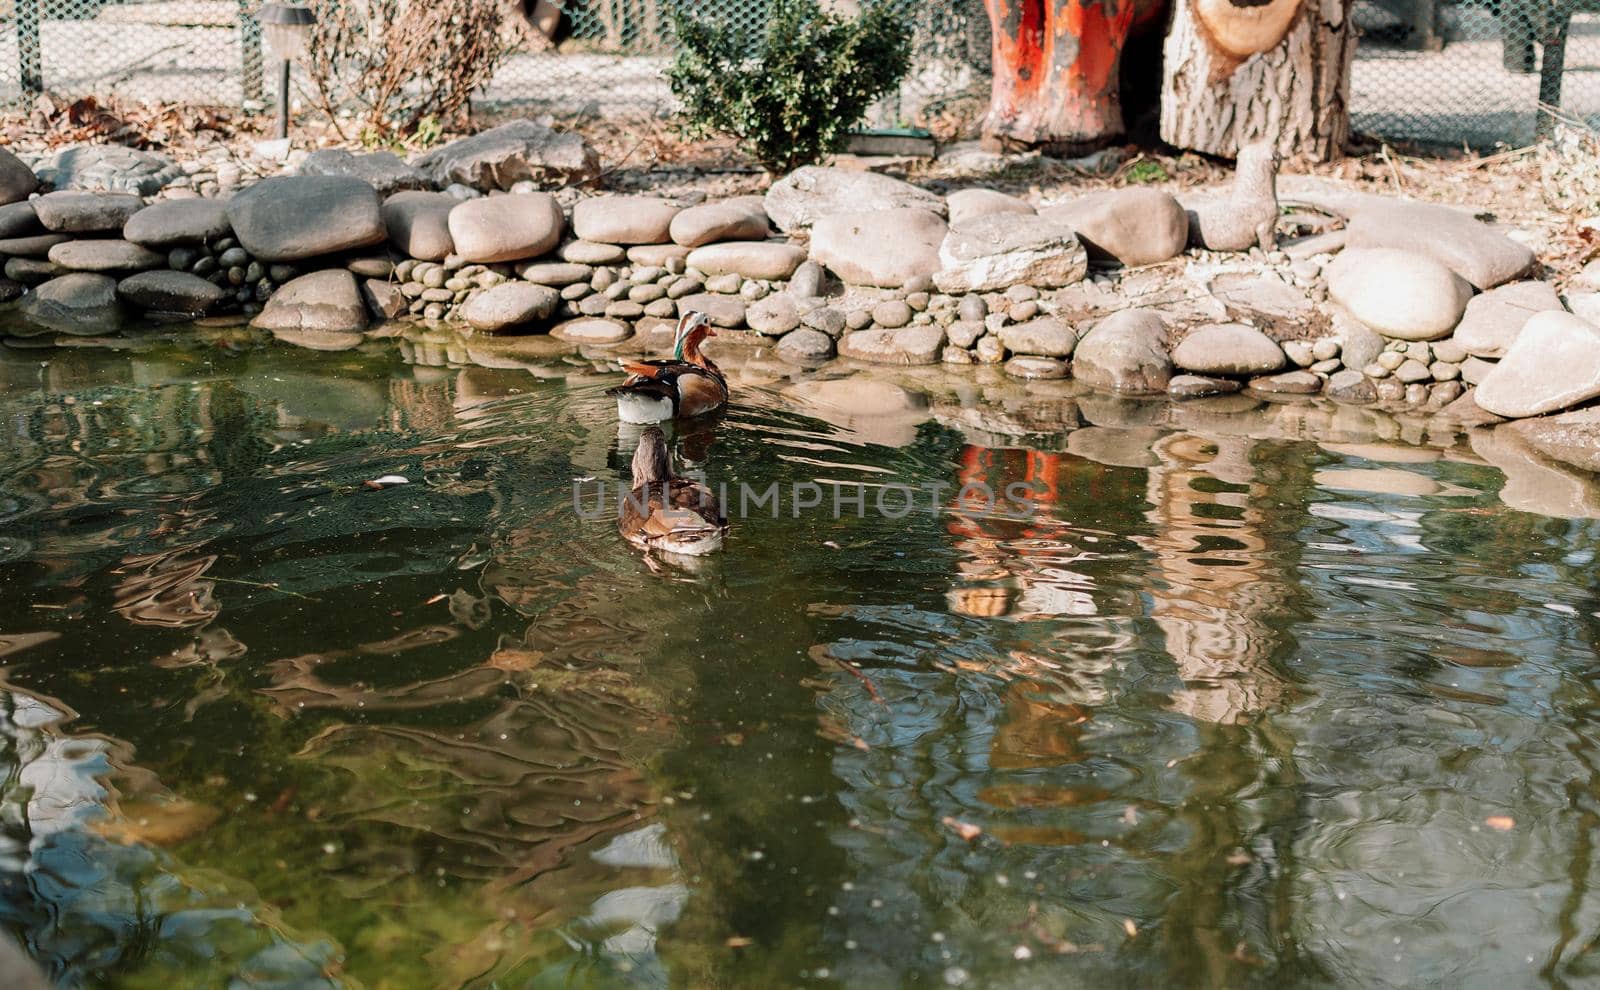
pixel 667 513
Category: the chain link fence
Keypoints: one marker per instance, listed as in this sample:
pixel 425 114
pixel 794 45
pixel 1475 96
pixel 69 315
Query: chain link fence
pixel 1446 71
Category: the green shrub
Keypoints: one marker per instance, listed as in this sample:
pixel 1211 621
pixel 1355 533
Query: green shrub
pixel 791 95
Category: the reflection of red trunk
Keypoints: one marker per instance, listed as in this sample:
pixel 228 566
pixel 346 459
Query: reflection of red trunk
pixel 1055 72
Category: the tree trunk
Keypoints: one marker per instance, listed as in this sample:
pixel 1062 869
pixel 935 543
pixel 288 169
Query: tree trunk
pixel 1238 71
pixel 1055 73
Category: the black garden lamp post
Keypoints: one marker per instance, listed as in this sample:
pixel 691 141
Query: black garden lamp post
pixel 287 28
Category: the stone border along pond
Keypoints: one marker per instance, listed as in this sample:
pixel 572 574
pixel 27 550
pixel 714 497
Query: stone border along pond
pixel 1374 300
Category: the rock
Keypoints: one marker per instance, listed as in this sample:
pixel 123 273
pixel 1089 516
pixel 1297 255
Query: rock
pixel 1133 226
pixel 365 267
pixel 1584 305
pixel 1327 367
pixel 1299 352
pixel 883 248
pixel 989 350
pixel 86 212
pixel 1358 345
pixel 806 280
pixel 295 217
pixel 11 291
pixel 510 305
pixel 500 157
pixel 1553 364
pixel 17 181
pixel 743 218
pixel 31 271
pixel 624 309
pixel 1200 386
pixel 1494 319
pixel 382 170
pixel 1412 371
pixel 37 246
pixel 1351 386
pixel 1449 350
pixel 1228 349
pixel 1036 367
pixel 774 316
pixel 971 204
pixel 1466 411
pixel 328 301
pixel 858 319
pixel 955 355
pixel 771 260
pixel 728 283
pixel 965 333
pixel 624 219
pixel 1476 252
pixel 827 319
pixel 660 255
pixel 592 331
pixel 972 308
pixel 506 228
pixel 891 314
pixel 175 222
pixel 1390 360
pixel 1125 352
pixel 1288 383
pixel 812 192
pixel 1408 296
pixel 556 273
pixel 910 345
pixel 1045 336
pixel 384 299
pixel 418 224
pixel 806 346
pixel 170 292
pixel 592 253
pixel 105 256
pixel 723 311
pixel 1444 371
pixel 81 304
pixel 1325 349
pixel 1007 249
pixel 1474 370
pixel 1572 438
pixel 19 220
pixel 108 168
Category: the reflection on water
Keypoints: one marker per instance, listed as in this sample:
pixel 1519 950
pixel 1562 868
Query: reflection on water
pixel 1240 694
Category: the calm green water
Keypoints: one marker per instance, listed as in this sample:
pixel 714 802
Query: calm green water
pixel 1221 711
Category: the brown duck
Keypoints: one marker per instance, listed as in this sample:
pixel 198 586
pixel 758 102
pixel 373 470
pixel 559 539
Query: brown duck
pixel 687 385
pixel 665 512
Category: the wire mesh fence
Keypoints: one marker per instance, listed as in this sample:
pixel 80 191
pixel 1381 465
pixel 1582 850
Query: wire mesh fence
pixel 1448 71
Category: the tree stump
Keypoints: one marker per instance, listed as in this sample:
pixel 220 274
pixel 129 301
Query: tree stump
pixel 1241 71
pixel 1056 64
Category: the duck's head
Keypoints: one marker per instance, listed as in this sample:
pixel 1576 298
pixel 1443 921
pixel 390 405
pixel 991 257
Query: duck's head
pixel 693 328
pixel 651 465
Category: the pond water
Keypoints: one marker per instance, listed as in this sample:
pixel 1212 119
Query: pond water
pixel 1244 695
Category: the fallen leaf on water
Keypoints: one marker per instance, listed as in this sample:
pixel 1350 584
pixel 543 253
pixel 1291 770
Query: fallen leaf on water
pixel 1130 815
pixel 966 830
pixel 1129 927
pixel 157 823
pixel 739 942
pixel 436 599
pixel 1240 858
pixel 1501 823
pixel 860 743
pixel 387 480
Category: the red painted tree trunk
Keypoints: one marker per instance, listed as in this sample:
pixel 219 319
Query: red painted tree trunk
pixel 1055 72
